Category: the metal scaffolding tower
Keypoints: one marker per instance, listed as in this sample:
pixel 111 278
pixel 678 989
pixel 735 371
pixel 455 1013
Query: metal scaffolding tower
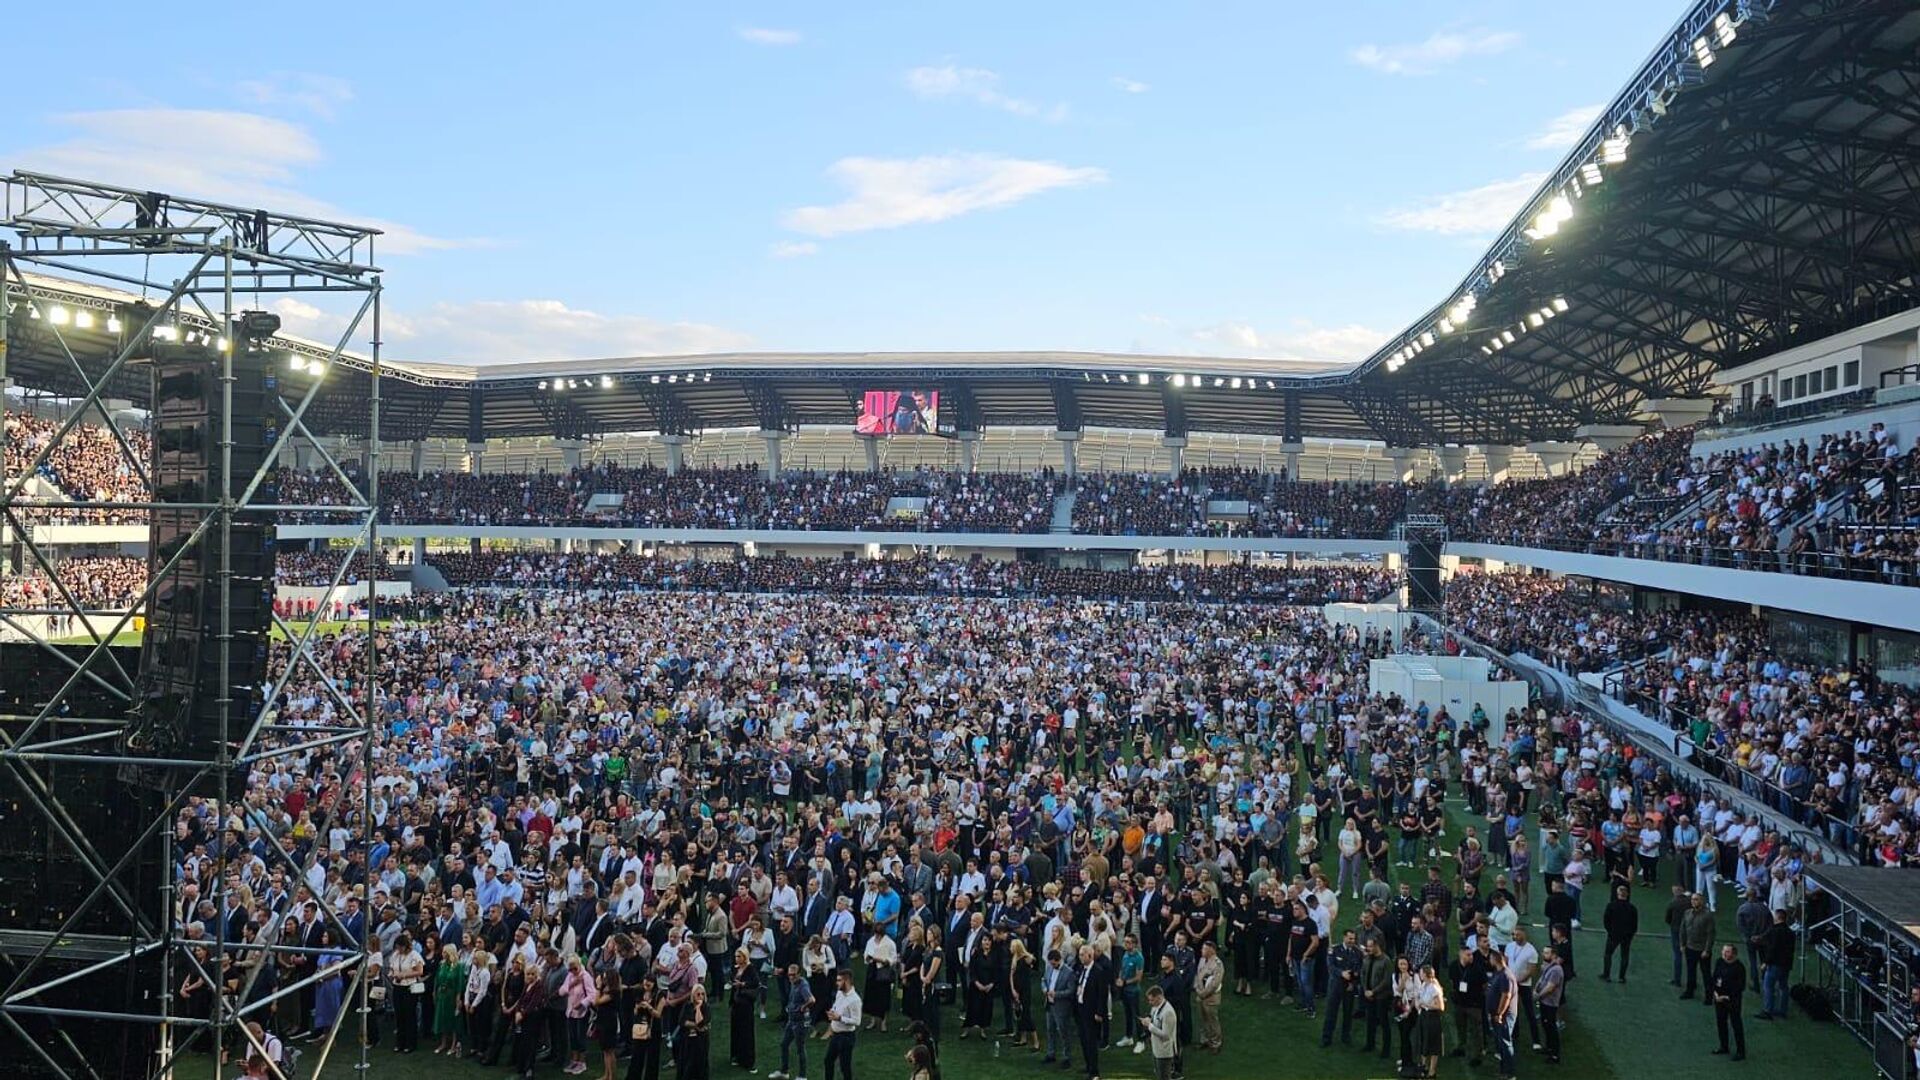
pixel 166 266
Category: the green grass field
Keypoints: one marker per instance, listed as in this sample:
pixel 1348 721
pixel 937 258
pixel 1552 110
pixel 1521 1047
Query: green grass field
pixel 1637 1031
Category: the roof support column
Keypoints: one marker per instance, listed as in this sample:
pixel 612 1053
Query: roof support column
pixel 1678 412
pixel 773 440
pixel 1453 463
pixel 476 457
pixel 1069 457
pixel 969 450
pixel 570 452
pixel 1499 462
pixel 1607 437
pixel 676 453
pixel 1406 462
pixel 1290 458
pixel 1176 446
pixel 870 445
pixel 417 457
pixel 1555 457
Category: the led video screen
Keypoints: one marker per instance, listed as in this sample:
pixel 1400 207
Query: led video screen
pixel 899 412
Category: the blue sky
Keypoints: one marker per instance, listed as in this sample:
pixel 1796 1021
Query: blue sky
pixel 1283 180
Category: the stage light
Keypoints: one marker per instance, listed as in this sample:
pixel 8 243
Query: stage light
pixel 1235 383
pixel 166 333
pixel 706 376
pixel 606 382
pixel 543 384
pixel 113 324
pixel 1269 384
pixel 1179 381
pixel 57 315
pixel 1145 378
pixel 223 344
pixel 1560 303
pixel 1506 337
pixel 1216 380
pixel 655 380
pixel 296 363
pixel 1488 349
pixel 1536 321
pixel 83 320
pixel 1446 325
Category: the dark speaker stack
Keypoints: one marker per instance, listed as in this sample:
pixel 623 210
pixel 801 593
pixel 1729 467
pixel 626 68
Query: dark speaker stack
pixel 1424 589
pixel 181 682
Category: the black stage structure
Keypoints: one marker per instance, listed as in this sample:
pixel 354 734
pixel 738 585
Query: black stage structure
pixel 1863 923
pixel 103 748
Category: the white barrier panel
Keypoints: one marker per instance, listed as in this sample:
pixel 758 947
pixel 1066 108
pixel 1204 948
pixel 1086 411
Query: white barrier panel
pixel 1456 683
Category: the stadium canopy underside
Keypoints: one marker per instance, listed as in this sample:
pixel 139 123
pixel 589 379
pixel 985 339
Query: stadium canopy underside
pixel 1755 186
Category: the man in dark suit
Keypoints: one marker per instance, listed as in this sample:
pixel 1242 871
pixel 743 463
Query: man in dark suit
pixel 1090 1005
pixel 1726 989
pixel 1153 921
pixel 814 912
pixel 598 929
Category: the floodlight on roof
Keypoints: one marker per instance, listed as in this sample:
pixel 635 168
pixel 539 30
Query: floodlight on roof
pixel 1506 337
pixel 1179 380
pixel 655 379
pixel 1702 52
pixel 1613 151
pixel 1534 320
pixel 1560 303
pixel 1235 382
pixel 1217 380
pixel 58 315
pixel 166 333
pixel 296 362
pixel 83 319
pixel 1590 174
pixel 1145 378
pixel 1724 29
pixel 606 382
pixel 113 324
pixel 1426 339
pixel 1269 384
pixel 1497 271
pixel 543 384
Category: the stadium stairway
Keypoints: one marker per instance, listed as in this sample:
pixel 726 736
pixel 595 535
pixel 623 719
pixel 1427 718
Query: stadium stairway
pixel 1063 512
pixel 427 577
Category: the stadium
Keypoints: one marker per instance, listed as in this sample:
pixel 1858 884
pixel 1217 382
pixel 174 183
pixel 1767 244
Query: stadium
pixel 994 713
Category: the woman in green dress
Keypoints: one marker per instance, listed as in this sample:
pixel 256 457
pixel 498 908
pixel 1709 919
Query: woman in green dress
pixel 449 982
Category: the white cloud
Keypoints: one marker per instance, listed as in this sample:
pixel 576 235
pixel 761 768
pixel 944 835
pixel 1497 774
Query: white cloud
pixel 1485 209
pixel 239 158
pixel 762 35
pixel 1442 48
pixel 1131 86
pixel 1303 343
pixel 491 331
pixel 1564 130
pixel 321 95
pixel 977 85
pixel 793 249
pixel 885 193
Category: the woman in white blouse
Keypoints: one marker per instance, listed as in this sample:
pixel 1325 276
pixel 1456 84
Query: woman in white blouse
pixel 1431 1000
pixel 476 1003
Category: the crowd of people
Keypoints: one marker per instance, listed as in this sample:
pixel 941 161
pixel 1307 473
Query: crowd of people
pixel 617 825
pixel 921 576
pixel 291 567
pixel 88 466
pixel 93 582
pixel 1822 744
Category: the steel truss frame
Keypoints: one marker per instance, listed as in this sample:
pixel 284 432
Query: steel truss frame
pixel 191 257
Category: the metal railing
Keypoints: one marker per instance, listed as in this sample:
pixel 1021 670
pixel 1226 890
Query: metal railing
pixel 1822 564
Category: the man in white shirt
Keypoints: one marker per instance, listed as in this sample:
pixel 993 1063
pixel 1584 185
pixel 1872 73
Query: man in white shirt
pixel 843 1019
pixel 1523 963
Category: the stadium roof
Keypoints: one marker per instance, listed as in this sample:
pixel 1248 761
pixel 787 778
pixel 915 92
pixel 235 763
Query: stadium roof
pixel 1754 187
